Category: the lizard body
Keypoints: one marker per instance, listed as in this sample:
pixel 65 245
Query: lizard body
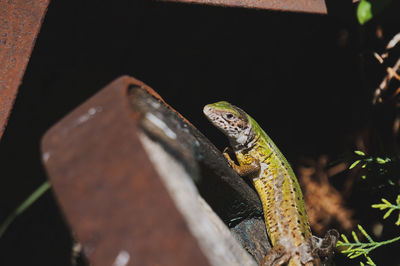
pixel 276 184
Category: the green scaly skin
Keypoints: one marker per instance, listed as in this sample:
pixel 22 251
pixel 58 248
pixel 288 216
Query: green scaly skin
pixel 277 186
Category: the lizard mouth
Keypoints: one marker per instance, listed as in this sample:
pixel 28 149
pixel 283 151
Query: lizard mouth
pixel 212 116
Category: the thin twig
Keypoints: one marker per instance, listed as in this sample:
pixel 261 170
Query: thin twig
pixel 393 42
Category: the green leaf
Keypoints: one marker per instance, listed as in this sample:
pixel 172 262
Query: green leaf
pixel 380 206
pixel 362 230
pixel 354 164
pixel 380 160
pixel 364 11
pixel 398 220
pixel 355 237
pixel 388 213
pixel 385 201
pixel 369 261
pixel 359 153
pixel 355 255
pixel 24 205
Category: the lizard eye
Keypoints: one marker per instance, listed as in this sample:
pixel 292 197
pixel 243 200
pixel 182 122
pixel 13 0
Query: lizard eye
pixel 229 116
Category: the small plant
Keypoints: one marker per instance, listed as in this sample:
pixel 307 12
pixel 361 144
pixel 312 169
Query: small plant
pixel 365 160
pixel 371 163
pixel 391 207
pixel 378 166
pixel 358 248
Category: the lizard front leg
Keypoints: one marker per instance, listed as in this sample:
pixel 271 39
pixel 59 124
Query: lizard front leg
pixel 250 169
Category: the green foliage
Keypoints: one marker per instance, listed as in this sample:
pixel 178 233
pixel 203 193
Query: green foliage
pixel 372 162
pixel 24 205
pixel 391 207
pixel 364 11
pixel 358 248
pixel 367 9
pixel 361 153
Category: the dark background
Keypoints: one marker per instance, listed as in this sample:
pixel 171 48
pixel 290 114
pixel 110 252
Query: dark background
pixel 305 78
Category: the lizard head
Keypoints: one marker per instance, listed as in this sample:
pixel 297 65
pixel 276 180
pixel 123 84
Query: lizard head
pixel 231 120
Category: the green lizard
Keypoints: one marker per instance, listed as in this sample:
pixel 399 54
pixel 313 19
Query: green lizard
pixel 276 184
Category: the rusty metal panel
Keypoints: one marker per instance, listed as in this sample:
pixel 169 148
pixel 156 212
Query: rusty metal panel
pixel 108 189
pixel 20 22
pixel 310 6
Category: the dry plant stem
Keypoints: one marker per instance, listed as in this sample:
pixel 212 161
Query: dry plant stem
pixel 379 58
pixel 393 42
pixel 391 72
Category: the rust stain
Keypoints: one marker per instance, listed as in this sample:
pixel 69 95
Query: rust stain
pixel 20 21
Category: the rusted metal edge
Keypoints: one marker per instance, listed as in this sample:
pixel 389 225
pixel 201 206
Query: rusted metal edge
pixel 110 192
pixel 20 22
pixel 309 6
